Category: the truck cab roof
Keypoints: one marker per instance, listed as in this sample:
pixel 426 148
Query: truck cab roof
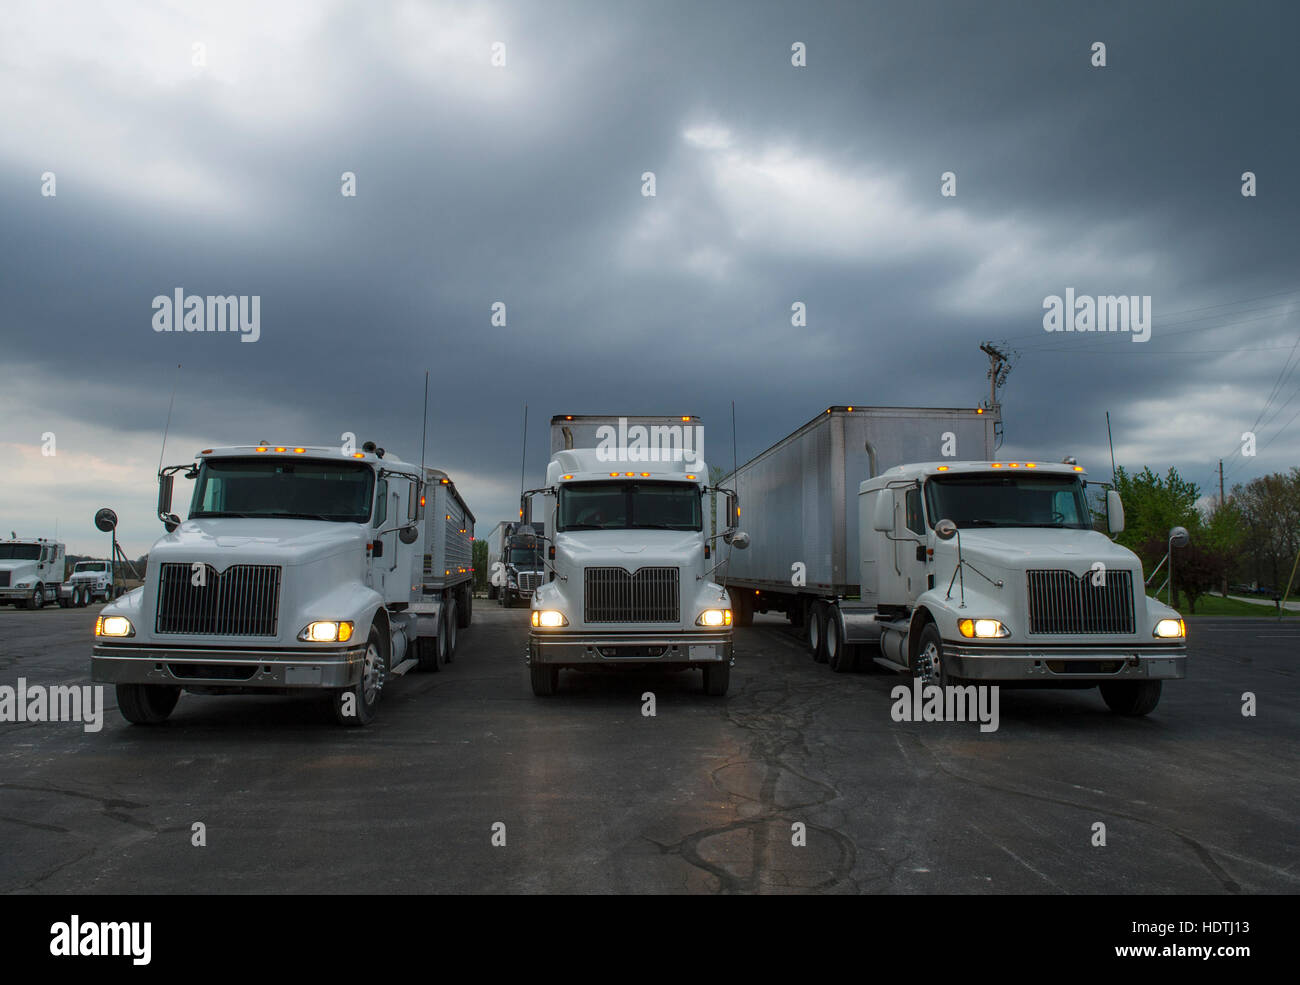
pixel 925 470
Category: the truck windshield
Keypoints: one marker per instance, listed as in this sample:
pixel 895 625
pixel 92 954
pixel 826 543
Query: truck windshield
pixel 629 506
pixel 271 487
pixel 19 552
pixel 90 566
pixel 1007 501
pixel 525 557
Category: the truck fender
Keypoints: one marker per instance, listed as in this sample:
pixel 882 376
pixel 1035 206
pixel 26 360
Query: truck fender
pixel 920 616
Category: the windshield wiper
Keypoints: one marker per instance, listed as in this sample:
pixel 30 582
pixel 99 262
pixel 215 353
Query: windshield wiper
pixel 586 526
pixel 245 516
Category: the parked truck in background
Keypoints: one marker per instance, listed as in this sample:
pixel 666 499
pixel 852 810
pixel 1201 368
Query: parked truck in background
pixel 515 567
pixel 31 571
pixel 959 569
pixel 630 561
pixel 299 568
pixel 89 581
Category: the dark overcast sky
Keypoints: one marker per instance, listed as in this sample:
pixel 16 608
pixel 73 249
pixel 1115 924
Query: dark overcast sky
pixel 522 184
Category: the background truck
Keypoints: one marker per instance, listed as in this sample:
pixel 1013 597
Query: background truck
pixel 959 569
pixel 630 559
pixel 515 566
pixel 89 581
pixel 299 568
pixel 31 571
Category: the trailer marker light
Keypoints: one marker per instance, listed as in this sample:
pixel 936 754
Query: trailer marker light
pixel 421 500
pixel 850 406
pixel 979 410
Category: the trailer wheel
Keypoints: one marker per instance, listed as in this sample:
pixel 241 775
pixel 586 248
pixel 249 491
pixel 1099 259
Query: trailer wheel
pixel 146 704
pixel 545 679
pixel 365 694
pixel 451 622
pixel 67 601
pixel 466 606
pixel 717 678
pixel 432 650
pixel 1131 698
pixel 817 632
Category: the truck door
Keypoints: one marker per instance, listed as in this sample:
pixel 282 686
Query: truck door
pixel 912 554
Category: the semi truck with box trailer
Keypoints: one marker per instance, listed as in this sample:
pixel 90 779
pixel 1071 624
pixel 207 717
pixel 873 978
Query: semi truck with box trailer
pixel 960 569
pixel 298 569
pixel 515 567
pixel 629 557
pixel 31 571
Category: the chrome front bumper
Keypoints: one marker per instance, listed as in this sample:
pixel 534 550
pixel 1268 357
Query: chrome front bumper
pixel 612 649
pixel 1074 663
pixel 195 666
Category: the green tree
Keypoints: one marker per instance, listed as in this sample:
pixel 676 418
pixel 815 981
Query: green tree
pixel 1152 505
pixel 480 552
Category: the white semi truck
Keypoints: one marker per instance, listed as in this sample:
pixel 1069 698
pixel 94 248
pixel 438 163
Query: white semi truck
pixel 514 558
pixel 89 581
pixel 629 558
pixel 31 572
pixel 299 568
pixel 959 569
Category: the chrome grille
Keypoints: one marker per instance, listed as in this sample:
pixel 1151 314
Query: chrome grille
pixel 242 601
pixel 529 580
pixel 1063 603
pixel 613 595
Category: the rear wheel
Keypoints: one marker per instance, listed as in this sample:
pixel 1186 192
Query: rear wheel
pixel 146 704
pixel 817 632
pixel 357 705
pixel 466 606
pixel 1131 698
pixel 67 601
pixel 452 622
pixel 717 678
pixel 545 679
pixel 839 654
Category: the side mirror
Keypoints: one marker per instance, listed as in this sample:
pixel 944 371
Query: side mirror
pixel 740 540
pixel 945 530
pixel 413 507
pixel 1179 537
pixel 733 511
pixel 169 520
pixel 882 517
pixel 408 535
pixel 377 548
pixel 1114 512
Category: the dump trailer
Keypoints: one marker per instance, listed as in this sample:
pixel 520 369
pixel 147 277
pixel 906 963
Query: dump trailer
pixel 299 569
pixel 953 570
pixel 629 558
pixel 31 572
pixel 515 567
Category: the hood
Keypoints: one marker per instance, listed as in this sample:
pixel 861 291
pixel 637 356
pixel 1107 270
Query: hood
pixel 222 541
pixel 630 549
pixel 1021 548
pixel 15 564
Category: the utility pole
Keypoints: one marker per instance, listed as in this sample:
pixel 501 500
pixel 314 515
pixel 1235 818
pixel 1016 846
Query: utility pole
pixel 1000 363
pixel 1221 499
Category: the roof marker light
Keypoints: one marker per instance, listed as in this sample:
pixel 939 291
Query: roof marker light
pixel 566 477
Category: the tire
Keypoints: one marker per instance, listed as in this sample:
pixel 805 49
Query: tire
pixel 431 651
pixel 451 624
pixel 929 653
pixel 146 704
pixel 816 632
pixel 1133 699
pixel 365 694
pixel 492 593
pixel 545 679
pixel 68 601
pixel 86 598
pixel 842 657
pixel 466 607
pixel 742 610
pixel 717 678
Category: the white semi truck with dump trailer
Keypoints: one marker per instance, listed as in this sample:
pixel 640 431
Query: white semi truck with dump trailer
pixel 960 569
pixel 299 568
pixel 514 559
pixel 31 571
pixel 629 558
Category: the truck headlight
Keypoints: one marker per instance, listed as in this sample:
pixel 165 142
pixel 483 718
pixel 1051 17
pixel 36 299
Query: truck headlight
pixel 326 631
pixel 714 617
pixel 1169 629
pixel 982 629
pixel 113 626
pixel 549 618
pixel 23 584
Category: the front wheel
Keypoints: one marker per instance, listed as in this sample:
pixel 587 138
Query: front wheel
pixel 1131 698
pixel 928 664
pixel 37 600
pixel 717 678
pixel 545 679
pixel 146 704
pixel 357 705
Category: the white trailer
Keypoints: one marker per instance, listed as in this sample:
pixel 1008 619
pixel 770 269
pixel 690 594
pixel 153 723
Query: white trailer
pixel 630 561
pixel 953 570
pixel 299 568
pixel 31 572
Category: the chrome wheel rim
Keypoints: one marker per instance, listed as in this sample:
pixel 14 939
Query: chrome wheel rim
pixel 372 678
pixel 928 664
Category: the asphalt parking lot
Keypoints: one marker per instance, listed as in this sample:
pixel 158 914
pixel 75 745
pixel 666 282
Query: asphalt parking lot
pixel 702 797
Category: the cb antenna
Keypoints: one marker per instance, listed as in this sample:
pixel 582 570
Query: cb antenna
pixel 523 459
pixel 424 433
pixel 167 426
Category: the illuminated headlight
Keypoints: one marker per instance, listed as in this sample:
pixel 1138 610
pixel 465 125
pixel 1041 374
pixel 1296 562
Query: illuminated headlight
pixel 549 619
pixel 326 631
pixel 114 626
pixel 982 629
pixel 1170 629
pixel 714 617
